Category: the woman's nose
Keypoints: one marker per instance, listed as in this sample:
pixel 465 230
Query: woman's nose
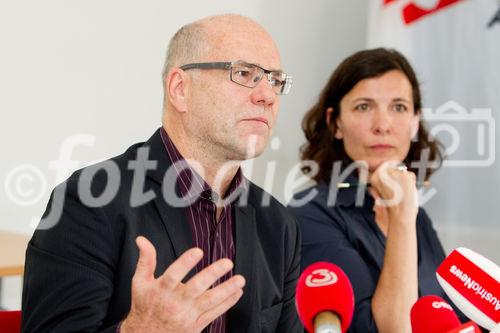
pixel 381 122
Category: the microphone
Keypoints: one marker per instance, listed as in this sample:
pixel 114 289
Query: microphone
pixel 442 316
pixel 473 284
pixel 469 327
pixel 432 314
pixel 324 299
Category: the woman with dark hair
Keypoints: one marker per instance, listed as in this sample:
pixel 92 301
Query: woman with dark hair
pixel 367 123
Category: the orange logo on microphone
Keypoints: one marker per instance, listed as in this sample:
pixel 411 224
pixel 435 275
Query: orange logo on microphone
pixel 321 277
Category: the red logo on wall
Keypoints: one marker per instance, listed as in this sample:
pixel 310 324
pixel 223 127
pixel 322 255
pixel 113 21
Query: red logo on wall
pixel 412 12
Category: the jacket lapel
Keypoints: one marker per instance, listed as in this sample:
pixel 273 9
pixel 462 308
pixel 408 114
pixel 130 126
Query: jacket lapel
pixel 173 218
pixel 245 237
pixel 175 221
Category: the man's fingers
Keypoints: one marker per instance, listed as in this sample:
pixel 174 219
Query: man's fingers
pixel 207 277
pixel 207 317
pixel 174 274
pixel 147 259
pixel 213 297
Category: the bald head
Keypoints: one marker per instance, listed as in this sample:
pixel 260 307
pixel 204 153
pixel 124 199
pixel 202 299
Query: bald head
pixel 188 43
pixel 203 39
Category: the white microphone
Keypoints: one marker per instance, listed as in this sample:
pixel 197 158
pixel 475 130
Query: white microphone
pixel 473 283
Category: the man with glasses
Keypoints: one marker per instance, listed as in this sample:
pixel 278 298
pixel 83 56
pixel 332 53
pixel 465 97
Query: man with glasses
pixel 189 244
pixel 248 75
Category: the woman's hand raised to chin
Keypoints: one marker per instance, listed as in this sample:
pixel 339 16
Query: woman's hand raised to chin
pixel 395 192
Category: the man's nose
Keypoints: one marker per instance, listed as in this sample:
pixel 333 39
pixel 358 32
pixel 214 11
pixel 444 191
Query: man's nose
pixel 263 93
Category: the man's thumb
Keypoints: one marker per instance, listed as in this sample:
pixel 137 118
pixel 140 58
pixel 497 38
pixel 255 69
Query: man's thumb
pixel 147 258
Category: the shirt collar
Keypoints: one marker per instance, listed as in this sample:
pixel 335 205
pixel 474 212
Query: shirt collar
pixel 191 185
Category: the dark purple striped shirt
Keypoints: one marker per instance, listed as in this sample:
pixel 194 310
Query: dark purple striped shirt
pixel 214 238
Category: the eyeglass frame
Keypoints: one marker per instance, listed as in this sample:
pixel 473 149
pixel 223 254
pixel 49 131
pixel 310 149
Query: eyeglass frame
pixel 228 65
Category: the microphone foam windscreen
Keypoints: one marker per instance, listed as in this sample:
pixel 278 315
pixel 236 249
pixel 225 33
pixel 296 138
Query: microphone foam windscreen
pixel 473 284
pixel 323 287
pixel 431 314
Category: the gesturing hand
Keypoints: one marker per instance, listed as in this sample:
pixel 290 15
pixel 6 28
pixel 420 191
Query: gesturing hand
pixel 166 304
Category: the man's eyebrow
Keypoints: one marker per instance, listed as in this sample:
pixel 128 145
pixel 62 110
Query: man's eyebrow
pixel 271 69
pixel 276 70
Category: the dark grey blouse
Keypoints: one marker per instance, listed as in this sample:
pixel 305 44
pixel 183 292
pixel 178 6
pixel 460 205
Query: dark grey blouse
pixel 346 234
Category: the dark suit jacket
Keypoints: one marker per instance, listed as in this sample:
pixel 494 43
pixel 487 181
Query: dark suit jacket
pixel 78 272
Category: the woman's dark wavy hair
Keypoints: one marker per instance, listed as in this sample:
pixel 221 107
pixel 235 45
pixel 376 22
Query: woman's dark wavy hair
pixel 324 148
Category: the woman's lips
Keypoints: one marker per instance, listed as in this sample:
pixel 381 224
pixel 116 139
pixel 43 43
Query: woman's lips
pixel 381 147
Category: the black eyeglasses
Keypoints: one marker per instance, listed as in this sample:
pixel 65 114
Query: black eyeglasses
pixel 248 75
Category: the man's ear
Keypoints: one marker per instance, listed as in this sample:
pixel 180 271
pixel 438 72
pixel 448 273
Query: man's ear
pixel 415 123
pixel 176 87
pixel 338 130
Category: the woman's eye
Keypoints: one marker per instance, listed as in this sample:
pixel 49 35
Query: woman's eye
pixel 400 108
pixel 362 107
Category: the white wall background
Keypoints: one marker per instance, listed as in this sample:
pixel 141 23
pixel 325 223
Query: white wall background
pixel 93 67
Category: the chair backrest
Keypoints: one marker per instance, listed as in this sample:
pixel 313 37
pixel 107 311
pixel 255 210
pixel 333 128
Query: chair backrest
pixel 10 321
